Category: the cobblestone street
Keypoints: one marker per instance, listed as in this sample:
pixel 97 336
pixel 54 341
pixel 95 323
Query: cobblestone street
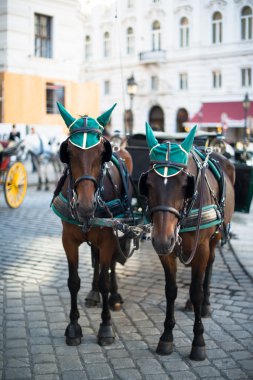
pixel 35 303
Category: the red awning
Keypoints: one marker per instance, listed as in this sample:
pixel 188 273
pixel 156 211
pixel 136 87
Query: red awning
pixel 215 113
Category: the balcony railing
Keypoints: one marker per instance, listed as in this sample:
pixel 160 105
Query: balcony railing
pixel 153 56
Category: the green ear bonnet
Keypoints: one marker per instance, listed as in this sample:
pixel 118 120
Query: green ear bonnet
pixel 178 153
pixel 85 140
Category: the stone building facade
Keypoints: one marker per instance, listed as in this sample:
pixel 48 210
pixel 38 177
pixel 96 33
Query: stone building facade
pixel 189 58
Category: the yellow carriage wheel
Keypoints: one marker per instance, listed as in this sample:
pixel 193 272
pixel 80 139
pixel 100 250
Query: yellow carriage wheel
pixel 15 185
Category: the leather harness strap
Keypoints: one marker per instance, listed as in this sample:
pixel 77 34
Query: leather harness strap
pixel 85 177
pixel 165 209
pixel 202 181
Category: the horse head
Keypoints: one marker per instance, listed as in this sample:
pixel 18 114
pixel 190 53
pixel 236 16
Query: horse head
pixel 167 186
pixel 85 151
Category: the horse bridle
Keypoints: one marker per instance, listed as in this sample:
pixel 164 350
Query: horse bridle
pixel 156 164
pixel 72 183
pixel 187 205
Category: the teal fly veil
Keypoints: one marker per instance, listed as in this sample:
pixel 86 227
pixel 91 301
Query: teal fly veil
pixel 85 140
pixel 172 152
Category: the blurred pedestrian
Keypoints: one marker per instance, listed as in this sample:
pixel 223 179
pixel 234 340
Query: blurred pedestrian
pixel 14 134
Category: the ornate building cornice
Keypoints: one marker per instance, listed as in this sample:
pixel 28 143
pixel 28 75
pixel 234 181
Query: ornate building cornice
pixel 186 9
pixel 156 13
pixel 131 20
pixel 244 2
pixel 212 3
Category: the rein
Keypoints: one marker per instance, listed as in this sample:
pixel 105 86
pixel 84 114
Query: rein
pixel 202 176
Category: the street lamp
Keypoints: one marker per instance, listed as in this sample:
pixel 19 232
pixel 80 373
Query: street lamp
pixel 131 90
pixel 246 105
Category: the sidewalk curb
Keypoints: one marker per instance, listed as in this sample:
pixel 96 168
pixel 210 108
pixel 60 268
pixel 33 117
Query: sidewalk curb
pixel 239 261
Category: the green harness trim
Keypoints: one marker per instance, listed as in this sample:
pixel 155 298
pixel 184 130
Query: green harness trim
pixel 60 205
pixel 210 211
pixel 61 209
pixel 58 213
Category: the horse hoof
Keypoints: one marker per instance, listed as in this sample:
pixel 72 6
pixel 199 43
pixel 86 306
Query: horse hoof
pixel 188 306
pixel 115 302
pixel 164 348
pixel 106 335
pixel 92 299
pixel 116 307
pixel 73 334
pixel 73 341
pixel 206 311
pixel 198 353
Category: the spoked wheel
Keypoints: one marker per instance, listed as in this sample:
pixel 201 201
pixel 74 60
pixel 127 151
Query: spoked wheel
pixel 15 185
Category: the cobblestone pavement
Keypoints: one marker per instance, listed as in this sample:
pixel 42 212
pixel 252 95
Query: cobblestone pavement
pixel 34 303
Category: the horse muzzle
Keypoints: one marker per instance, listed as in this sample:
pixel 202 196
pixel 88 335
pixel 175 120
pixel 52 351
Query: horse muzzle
pixel 85 213
pixel 164 246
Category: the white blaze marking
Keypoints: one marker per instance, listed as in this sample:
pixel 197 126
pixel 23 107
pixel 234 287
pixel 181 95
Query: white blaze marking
pixel 84 140
pixel 166 167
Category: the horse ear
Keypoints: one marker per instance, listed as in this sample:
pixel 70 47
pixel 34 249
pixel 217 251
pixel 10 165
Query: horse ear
pixel 65 115
pixel 150 137
pixel 188 141
pixel 105 117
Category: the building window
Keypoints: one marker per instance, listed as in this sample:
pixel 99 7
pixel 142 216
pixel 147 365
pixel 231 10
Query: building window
pixel 107 44
pixel 87 47
pixel 42 36
pixel 217 79
pixel 183 81
pixel 156 36
pixel 107 86
pixel 156 118
pixel 130 3
pixel 217 28
pixel 130 40
pixel 184 32
pixel 154 83
pixel 54 93
pixel 246 24
pixel 246 77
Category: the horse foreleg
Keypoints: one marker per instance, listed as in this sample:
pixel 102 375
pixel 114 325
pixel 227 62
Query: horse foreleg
pixel 73 331
pixel 38 170
pixel 39 183
pixel 93 297
pixel 45 176
pixel 198 351
pixel 115 299
pixel 165 345
pixel 106 334
pixel 206 308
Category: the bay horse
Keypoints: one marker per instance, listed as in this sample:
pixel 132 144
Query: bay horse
pixel 87 183
pixel 190 199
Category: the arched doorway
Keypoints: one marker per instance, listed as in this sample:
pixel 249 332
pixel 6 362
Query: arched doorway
pixel 156 118
pixel 182 117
